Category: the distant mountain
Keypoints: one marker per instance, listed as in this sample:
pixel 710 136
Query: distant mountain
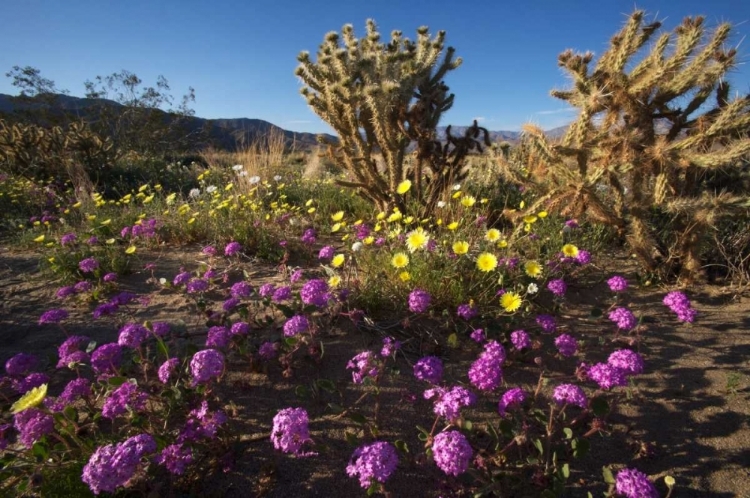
pixel 226 134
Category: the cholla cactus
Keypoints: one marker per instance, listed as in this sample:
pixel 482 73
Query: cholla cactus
pixel 647 138
pixel 379 98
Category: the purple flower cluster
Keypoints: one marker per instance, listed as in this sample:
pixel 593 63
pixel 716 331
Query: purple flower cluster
pixel 125 398
pixel 566 345
pixel 240 328
pixel 363 365
pixel 309 237
pixel 88 265
pixel 266 290
pixel 267 350
pixel 113 465
pixel 520 339
pixel 584 257
pixel 617 284
pixel 67 239
pixel 452 452
pixel 623 318
pixel 478 335
pixel 419 301
pixel 53 316
pixel 202 423
pixel 557 287
pixel 390 346
pixel 106 359
pixel 20 364
pixel 547 322
pixel 167 369
pixel 679 303
pixel 132 335
pixel 181 278
pixel 218 337
pixel 290 431
pixel 620 365
pixel 32 425
pixel 634 484
pixel 175 457
pixel 570 394
pixel 486 373
pixel 205 365
pixel 429 369
pixel 296 325
pixel 513 398
pixel 241 290
pixel 232 248
pixel 467 311
pixel 160 328
pixel 628 361
pixel 75 389
pixel 326 252
pixel 282 294
pixel 31 381
pixel 373 462
pixel 449 401
pixel 315 292
pixel 197 285
pixel 209 251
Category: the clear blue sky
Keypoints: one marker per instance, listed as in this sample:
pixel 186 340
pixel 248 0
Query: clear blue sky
pixel 240 55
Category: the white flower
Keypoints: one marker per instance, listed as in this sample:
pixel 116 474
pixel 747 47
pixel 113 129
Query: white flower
pixel 457 186
pixel 243 173
pixel 237 167
pixel 163 281
pixel 211 189
pixel 357 246
pixel 532 289
pixel 254 179
pixel 196 192
pixel 277 178
pixel 441 204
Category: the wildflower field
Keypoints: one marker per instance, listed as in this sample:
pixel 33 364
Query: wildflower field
pixel 291 329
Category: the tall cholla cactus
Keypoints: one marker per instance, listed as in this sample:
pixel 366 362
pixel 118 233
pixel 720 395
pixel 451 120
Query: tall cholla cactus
pixel 647 138
pixel 379 98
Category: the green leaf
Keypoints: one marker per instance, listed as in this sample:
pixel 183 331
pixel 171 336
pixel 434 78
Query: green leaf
pixel 596 313
pixel 467 425
pixel 401 446
pixel 70 413
pixel 599 406
pixel 580 447
pixel 290 341
pixel 285 310
pixel 301 391
pixel 539 446
pixel 326 385
pixel 423 430
pixel 40 451
pixel 162 347
pixel 566 470
pixel 116 381
pixel 493 431
pixel 607 474
pixel 453 341
pixel 568 432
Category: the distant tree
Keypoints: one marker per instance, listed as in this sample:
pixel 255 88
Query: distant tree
pixel 30 82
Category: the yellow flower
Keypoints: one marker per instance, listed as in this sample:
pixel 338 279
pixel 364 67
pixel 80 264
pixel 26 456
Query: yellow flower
pixel 39 239
pixel 522 205
pixel 404 276
pixel 542 214
pixel 369 240
pixel 400 260
pixel 502 244
pixel 452 226
pixel 29 400
pixel 130 250
pixel 337 216
pixel 309 203
pixel 109 242
pixel 335 228
pixel 148 199
pixel 403 187
pixel 311 210
pixel 510 301
pixel 191 221
pixel 493 235
pixel 106 222
pixel 570 250
pixel 380 216
pixel 142 188
pixel 338 260
pixel 468 200
pixel 334 281
pixel 416 239
pixel 533 269
pixel 395 216
pixel 460 247
pixel 669 481
pixel 486 262
pixel 91 217
pixel 77 205
pixel 529 219
pixel 456 195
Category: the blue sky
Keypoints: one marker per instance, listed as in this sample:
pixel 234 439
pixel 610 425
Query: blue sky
pixel 240 55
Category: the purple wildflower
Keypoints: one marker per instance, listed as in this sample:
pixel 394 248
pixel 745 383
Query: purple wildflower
pixel 419 301
pixel 467 311
pixel 206 364
pixel 326 252
pixel 230 304
pixel 53 316
pixel 309 237
pixel 75 389
pixel 88 265
pixel 390 346
pixel 202 423
pixel 30 382
pixel 20 364
pixel 520 339
pixel 160 328
pixel 571 394
pixel 282 294
pixel 241 290
pixel 267 350
pixel 679 303
pixel 176 458
pixel 218 337
pixel 67 239
pixel 106 358
pixel 167 369
pixel 125 398
pixel 83 286
pixel 547 322
pixel 617 284
pixel 478 335
pixel 429 369
pixel 32 425
pixel 132 335
pixel 373 462
pixel 449 401
pixel 566 345
pixel 513 398
pixel 315 292
pixel 266 290
pixel 71 345
pixel 290 430
pixel 557 287
pixel 232 248
pixel 607 376
pixel 626 360
pixel 240 328
pixel 113 465
pixel 110 277
pixel 197 285
pixel 105 309
pixel 181 278
pixel 296 276
pixel 452 452
pixel 584 257
pixel 364 365
pixel 634 484
pixel 296 325
pixel 623 317
pixel 65 292
pixel 209 251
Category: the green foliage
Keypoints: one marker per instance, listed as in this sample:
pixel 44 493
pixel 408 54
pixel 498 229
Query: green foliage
pixel 381 97
pixel 647 137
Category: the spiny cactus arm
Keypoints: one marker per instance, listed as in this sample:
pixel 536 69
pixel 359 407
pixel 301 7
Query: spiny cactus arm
pixel 721 158
pixel 652 61
pixel 726 121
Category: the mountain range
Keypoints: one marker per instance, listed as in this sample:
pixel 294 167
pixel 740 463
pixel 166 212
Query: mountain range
pixel 227 134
